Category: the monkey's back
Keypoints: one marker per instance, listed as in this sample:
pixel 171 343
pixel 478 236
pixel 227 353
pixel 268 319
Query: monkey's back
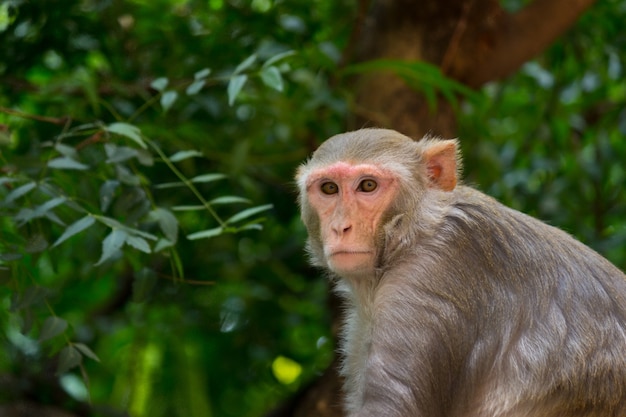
pixel 552 322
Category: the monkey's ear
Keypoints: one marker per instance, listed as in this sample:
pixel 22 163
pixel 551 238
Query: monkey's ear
pixel 441 163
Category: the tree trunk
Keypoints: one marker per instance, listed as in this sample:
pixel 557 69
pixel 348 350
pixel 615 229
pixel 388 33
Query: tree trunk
pixel 471 41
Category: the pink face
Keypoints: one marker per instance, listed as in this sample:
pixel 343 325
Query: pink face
pixel 350 201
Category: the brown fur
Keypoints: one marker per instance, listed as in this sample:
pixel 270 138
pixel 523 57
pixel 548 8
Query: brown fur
pixel 471 308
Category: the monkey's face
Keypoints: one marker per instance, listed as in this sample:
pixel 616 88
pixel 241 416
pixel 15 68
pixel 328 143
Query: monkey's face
pixel 350 200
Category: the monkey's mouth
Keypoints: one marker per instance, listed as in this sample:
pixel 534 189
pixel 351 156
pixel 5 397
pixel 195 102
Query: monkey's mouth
pixel 342 253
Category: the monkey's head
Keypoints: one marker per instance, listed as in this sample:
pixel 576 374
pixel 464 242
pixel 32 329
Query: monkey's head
pixel 361 188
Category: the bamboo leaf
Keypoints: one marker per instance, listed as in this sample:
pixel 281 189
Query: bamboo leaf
pixel 248 213
pixel 272 78
pixel 75 228
pixel 159 84
pixel 228 199
pixel 245 64
pixel 278 57
pixel 205 234
pixel 65 162
pixel 195 87
pixel 130 131
pixel 20 191
pixel 138 243
pixel 235 85
pixel 85 350
pixel 168 99
pixel 52 326
pixel 168 223
pixel 202 74
pixel 208 178
pixel 69 358
pixel 112 244
pixel 182 155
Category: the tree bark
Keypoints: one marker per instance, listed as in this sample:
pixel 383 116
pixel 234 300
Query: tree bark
pixel 471 41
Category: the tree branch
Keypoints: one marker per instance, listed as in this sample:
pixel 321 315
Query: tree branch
pixel 523 35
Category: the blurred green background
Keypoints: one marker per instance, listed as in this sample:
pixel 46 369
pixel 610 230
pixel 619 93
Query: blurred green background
pixel 133 283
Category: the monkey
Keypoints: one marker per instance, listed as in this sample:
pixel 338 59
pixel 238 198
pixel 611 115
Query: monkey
pixel 456 305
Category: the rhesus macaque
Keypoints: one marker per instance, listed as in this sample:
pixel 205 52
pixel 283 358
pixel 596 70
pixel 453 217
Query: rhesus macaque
pixel 456 304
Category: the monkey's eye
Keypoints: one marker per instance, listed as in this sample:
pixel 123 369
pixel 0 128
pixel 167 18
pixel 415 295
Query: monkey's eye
pixel 329 188
pixel 368 186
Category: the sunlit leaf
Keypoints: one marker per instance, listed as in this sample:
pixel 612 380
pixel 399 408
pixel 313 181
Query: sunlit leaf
pixel 245 64
pixel 52 326
pixel 286 370
pixel 85 350
pixel 235 85
pixel 75 228
pixel 205 234
pixel 159 84
pixel 248 213
pixel 168 99
pixel 65 162
pixel 112 244
pixel 130 131
pixel 272 78
pixel 69 358
pixel 182 155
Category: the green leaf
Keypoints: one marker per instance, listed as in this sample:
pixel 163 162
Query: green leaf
pixel 208 178
pixel 188 208
pixel 138 243
pixel 69 358
pixel 75 228
pixel 247 63
pixel 52 326
pixel 66 150
pixel 272 78
pixel 195 87
pixel 130 131
pixel 20 191
pixel 84 349
pixel 168 99
pixel 107 193
pixel 202 74
pixel 168 223
pixel 116 154
pixel 278 57
pixel 248 213
pixel 228 199
pixel 205 234
pixel 182 155
pixel 235 85
pixel 112 244
pixel 159 84
pixel 65 162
